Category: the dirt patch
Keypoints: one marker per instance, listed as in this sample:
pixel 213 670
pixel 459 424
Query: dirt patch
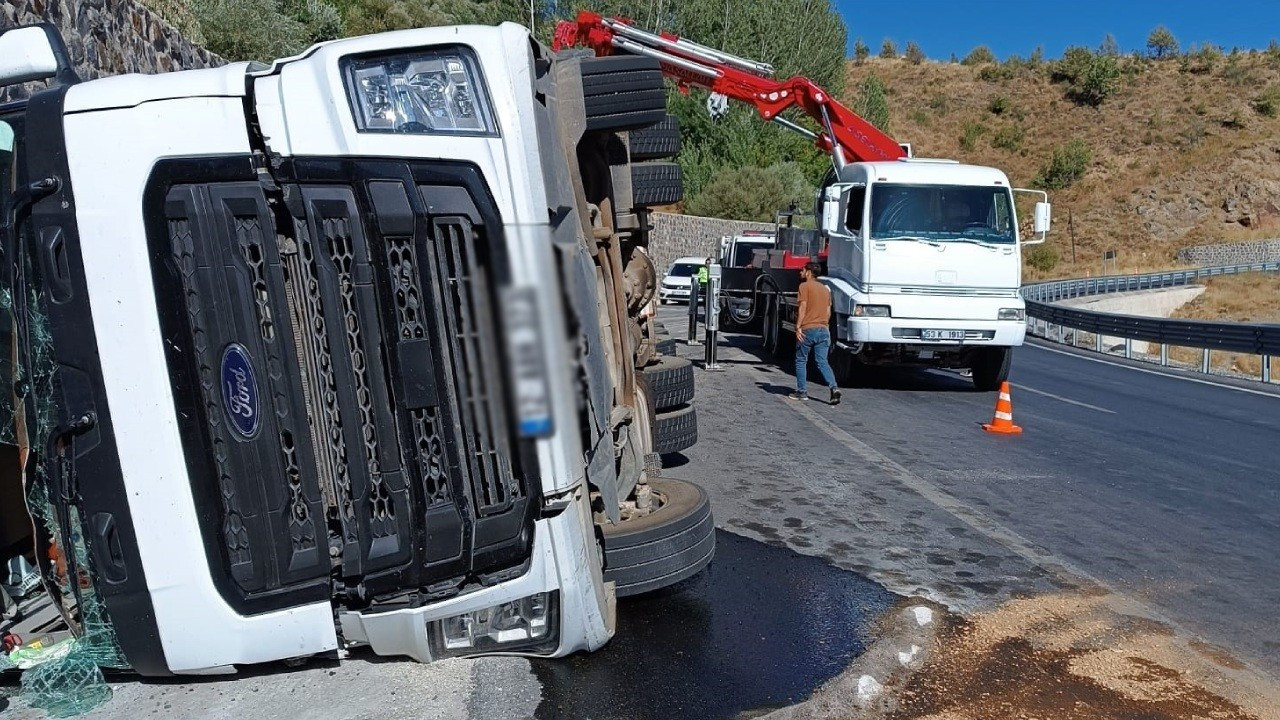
pixel 1077 657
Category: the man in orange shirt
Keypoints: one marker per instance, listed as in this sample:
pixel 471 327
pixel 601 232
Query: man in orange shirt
pixel 812 333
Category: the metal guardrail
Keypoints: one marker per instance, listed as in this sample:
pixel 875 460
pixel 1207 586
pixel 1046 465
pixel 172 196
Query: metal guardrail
pixel 1050 321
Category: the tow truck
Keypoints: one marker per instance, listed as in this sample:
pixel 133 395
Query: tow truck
pixel 923 256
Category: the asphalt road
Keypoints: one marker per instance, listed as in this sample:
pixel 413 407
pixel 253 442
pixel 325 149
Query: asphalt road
pixel 1156 485
pixel 1159 487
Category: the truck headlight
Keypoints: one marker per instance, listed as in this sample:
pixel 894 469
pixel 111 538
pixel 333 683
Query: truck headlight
pixel 871 311
pixel 1018 314
pixel 427 92
pixel 524 624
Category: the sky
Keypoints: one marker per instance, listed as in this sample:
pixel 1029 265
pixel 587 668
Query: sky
pixel 943 27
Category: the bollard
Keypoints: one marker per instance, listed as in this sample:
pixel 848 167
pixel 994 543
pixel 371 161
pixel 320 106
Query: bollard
pixel 1097 342
pixel 1204 361
pixel 1128 348
pixel 1266 368
pixel 712 319
pixel 695 292
pixel 1164 354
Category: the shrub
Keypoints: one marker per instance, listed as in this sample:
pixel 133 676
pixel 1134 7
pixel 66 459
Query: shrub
pixel 888 49
pixel 940 103
pixel 1201 60
pixel 979 56
pixel 1090 78
pixel 1161 44
pixel 999 105
pixel 752 193
pixel 1268 103
pixel 1009 138
pixel 1067 165
pixel 1041 257
pixel 860 51
pixel 969 137
pixel 920 117
pixel 1236 73
pixel 914 54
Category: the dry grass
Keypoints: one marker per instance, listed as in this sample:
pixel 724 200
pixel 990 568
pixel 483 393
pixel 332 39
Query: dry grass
pixel 1169 150
pixel 1251 297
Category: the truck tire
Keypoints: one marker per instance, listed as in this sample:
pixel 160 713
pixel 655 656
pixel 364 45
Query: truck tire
pixel 991 367
pixel 656 142
pixel 656 184
pixel 666 345
pixel 622 92
pixel 664 547
pixel 671 379
pixel 675 429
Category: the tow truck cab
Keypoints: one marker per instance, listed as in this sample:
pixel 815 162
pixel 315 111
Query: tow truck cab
pixel 319 366
pixel 924 261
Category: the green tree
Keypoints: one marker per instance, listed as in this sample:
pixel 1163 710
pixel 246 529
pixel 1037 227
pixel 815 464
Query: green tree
pixel 1109 46
pixel 871 102
pixel 979 56
pixel 860 51
pixel 888 49
pixel 915 55
pixel 1161 44
pixel 1090 78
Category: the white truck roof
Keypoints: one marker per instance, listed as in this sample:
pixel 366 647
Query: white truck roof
pixel 925 172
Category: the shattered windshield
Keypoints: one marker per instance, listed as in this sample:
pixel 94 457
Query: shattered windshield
pixel 942 213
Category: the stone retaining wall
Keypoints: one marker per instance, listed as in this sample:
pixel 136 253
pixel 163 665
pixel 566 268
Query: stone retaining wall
pixel 1244 253
pixel 108 37
pixel 676 236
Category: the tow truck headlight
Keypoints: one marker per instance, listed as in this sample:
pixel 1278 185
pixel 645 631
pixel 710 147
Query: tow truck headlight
pixel 522 624
pixel 1018 314
pixel 425 92
pixel 871 311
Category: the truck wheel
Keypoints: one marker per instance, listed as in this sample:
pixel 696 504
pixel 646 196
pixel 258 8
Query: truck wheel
pixel 991 367
pixel 671 379
pixel 622 92
pixel 666 345
pixel 664 547
pixel 656 142
pixel 675 429
pixel 656 184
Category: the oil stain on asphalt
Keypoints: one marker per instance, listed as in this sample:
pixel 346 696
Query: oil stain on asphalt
pixel 762 627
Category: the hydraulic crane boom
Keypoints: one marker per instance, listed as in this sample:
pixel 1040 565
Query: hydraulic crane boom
pixel 848 137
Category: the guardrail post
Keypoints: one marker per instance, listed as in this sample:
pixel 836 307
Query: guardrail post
pixel 1266 368
pixel 1204 361
pixel 1164 354
pixel 1128 348
pixel 1097 342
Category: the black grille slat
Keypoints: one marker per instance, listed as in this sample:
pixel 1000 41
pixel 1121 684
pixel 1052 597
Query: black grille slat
pixel 462 297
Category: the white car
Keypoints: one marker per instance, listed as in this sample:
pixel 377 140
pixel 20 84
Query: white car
pixel 679 279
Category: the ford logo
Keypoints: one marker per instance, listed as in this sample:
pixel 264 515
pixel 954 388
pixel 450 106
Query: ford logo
pixel 239 390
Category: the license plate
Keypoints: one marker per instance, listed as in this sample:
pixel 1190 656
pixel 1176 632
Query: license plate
pixel 941 334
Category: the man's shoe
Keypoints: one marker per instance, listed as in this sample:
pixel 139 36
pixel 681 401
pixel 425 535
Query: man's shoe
pixel 799 396
pixel 835 396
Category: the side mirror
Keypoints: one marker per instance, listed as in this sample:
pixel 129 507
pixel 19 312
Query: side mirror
pixel 1042 218
pixel 33 53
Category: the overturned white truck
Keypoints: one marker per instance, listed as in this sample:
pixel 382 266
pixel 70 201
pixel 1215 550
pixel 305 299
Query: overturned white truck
pixel 352 349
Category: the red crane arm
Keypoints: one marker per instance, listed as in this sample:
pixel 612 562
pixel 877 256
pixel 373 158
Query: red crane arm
pixel 848 137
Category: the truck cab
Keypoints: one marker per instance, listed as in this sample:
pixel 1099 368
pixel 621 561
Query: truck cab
pixel 343 351
pixel 739 251
pixel 924 262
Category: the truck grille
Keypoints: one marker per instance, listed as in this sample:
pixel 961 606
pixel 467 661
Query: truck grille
pixel 462 299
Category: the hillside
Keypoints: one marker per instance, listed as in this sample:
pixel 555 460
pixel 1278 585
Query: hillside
pixel 1185 151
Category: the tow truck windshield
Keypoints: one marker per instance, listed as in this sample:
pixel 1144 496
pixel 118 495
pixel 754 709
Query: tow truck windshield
pixel 942 213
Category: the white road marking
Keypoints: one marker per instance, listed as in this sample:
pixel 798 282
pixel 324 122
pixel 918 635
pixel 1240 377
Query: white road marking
pixel 1063 399
pixel 1176 376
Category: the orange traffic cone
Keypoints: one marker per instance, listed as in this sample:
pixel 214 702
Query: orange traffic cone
pixel 1003 421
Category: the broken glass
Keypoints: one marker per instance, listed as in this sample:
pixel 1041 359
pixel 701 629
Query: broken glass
pixel 72 683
